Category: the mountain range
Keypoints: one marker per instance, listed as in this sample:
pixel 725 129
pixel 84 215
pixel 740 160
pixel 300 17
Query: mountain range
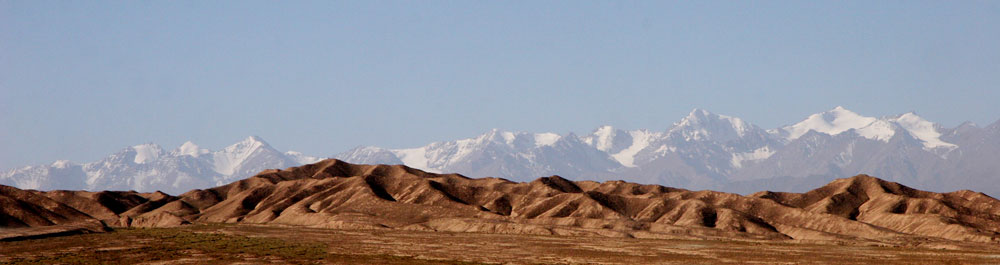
pixel 335 194
pixel 701 151
pixel 710 151
pixel 148 167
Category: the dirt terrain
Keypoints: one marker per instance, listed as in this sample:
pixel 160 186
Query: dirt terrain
pixel 255 244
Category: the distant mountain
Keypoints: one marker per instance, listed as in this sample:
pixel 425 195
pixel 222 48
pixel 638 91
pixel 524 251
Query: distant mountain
pixel 711 151
pixel 148 167
pixel 497 153
pixel 702 150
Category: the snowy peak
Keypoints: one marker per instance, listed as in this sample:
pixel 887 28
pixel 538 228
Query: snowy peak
pixel 925 131
pixel 370 155
pixel 507 153
pixel 302 158
pixel 602 138
pixel 435 156
pixel 546 139
pixel 416 158
pixel 839 120
pixel 229 159
pixel 147 167
pixel 517 140
pixel 189 149
pixel 696 117
pixel 61 164
pixel 245 147
pixel 702 148
pixel 252 140
pixel 621 145
pixel 492 136
pixel 145 153
pixel 832 122
pixel 703 125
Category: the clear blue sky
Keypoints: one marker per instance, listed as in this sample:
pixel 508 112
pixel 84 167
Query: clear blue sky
pixel 82 79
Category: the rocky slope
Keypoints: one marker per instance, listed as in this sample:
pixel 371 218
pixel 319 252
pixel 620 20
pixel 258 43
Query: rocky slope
pixel 337 194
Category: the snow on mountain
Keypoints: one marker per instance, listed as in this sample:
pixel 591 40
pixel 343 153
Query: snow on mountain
pixel 370 155
pixel 755 155
pixel 546 139
pixel 607 151
pixel 881 130
pixel 436 157
pixel 247 158
pixel 707 150
pixel 227 160
pixel 923 130
pixel 416 158
pixel 702 129
pixel 702 150
pixel 703 125
pixel 146 152
pixel 641 139
pixel 602 138
pixel 621 145
pixel 189 149
pixel 302 158
pixel 147 167
pixel 831 122
pixel 839 120
pixel 61 174
pixel 496 153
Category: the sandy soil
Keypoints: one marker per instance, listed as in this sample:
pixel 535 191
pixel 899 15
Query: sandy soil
pixel 245 244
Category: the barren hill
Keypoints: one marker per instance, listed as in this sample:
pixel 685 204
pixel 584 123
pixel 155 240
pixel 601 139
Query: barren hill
pixel 336 194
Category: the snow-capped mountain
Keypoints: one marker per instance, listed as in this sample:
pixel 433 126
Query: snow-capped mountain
pixel 841 120
pixel 148 167
pixel 623 146
pixel 710 151
pixel 496 153
pixel 702 150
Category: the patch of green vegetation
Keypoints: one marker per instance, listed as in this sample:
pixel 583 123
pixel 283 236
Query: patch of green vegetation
pixel 235 245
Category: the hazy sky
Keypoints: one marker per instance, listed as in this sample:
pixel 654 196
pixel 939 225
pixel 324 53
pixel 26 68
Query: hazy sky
pixel 83 79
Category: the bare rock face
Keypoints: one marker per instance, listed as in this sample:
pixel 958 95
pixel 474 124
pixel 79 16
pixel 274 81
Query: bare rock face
pixel 336 194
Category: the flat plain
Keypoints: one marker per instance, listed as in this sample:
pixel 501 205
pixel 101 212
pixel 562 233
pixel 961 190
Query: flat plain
pixel 258 244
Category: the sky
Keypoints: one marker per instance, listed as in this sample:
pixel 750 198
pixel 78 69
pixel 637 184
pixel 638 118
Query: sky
pixel 83 79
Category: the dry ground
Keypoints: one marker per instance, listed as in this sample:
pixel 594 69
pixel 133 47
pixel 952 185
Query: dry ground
pixel 244 244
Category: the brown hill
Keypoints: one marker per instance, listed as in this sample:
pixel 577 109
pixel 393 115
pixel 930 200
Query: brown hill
pixel 22 211
pixel 336 194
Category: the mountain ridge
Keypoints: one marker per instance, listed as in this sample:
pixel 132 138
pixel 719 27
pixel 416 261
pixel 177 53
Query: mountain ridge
pixel 703 150
pixel 711 151
pixel 336 194
pixel 149 167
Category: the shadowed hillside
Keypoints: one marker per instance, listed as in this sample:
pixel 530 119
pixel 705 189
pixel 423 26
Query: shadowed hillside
pixel 336 194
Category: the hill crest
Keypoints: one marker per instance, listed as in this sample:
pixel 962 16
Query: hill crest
pixel 336 194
